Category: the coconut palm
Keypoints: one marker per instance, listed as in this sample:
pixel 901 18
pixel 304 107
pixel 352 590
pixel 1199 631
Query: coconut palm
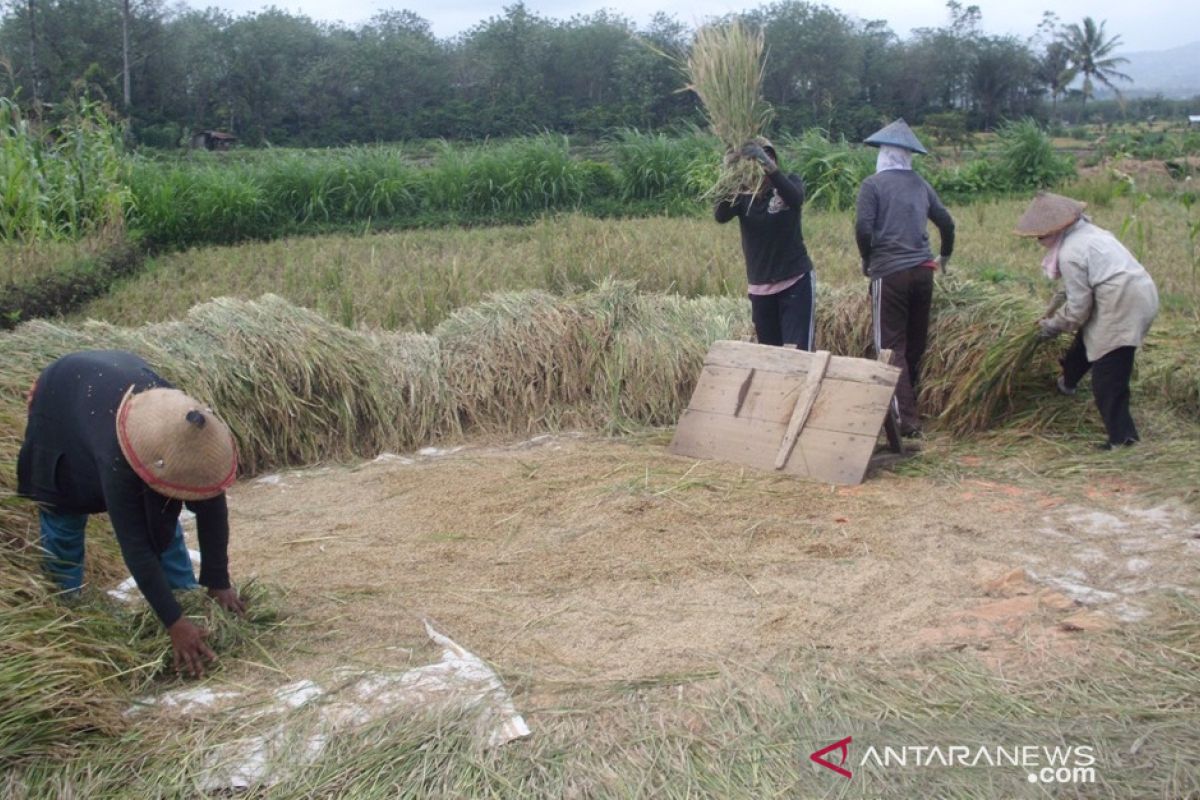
pixel 1091 55
pixel 1055 71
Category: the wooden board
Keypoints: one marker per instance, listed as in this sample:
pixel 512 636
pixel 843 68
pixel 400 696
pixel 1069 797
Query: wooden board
pixel 748 394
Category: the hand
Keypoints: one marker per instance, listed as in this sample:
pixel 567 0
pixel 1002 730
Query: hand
pixel 755 151
pixel 732 157
pixel 190 651
pixel 229 600
pixel 1046 330
pixel 866 268
pixel 943 262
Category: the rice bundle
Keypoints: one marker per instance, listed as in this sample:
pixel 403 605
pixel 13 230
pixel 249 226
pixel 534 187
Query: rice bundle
pixel 725 69
pixel 657 354
pixel 415 371
pixel 294 387
pixel 516 361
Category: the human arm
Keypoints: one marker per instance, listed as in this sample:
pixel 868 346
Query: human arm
pixel 728 209
pixel 941 218
pixel 789 187
pixel 866 208
pixel 212 532
pixel 127 510
pixel 1077 309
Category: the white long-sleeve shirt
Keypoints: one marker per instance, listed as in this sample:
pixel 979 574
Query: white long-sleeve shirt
pixel 1109 294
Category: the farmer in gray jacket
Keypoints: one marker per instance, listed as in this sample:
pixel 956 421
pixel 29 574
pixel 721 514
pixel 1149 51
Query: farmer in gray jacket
pixel 894 208
pixel 1110 303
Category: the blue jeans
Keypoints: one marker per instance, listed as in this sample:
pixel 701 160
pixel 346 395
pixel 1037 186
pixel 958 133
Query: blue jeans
pixel 62 543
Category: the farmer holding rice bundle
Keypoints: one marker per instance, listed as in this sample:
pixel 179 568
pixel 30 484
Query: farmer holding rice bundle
pixel 894 206
pixel 1110 303
pixel 105 433
pixel 778 269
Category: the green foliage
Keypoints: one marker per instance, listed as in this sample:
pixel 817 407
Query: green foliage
pixel 832 171
pixel 663 168
pixel 63 183
pixel 1028 159
pixel 978 178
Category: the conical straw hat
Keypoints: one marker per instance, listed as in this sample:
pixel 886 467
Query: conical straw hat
pixel 176 444
pixel 897 134
pixel 1049 213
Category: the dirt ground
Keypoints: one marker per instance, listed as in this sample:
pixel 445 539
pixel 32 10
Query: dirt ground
pixel 579 560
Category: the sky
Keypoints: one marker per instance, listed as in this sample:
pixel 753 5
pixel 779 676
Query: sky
pixel 1156 25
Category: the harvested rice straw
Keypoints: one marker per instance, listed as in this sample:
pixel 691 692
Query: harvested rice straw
pixel 725 69
pixel 516 361
pixel 658 352
pixel 415 368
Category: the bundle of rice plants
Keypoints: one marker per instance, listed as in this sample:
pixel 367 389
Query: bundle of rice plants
pixel 658 351
pixel 293 387
pixel 415 373
pixel 986 363
pixel 57 666
pixel 515 360
pixel 725 70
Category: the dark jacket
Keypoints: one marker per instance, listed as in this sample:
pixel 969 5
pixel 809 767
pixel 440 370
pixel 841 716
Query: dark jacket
pixel 894 208
pixel 71 463
pixel 772 241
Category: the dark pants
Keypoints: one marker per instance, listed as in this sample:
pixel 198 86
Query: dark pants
pixel 786 317
pixel 900 312
pixel 1110 386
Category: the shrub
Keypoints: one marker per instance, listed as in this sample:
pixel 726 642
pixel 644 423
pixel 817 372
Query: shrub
pixel 1027 158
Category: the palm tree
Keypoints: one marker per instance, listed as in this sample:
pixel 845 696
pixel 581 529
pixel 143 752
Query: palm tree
pixel 1091 55
pixel 1055 71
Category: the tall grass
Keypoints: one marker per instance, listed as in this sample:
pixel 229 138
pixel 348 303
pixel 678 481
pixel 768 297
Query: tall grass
pixel 832 171
pixel 230 198
pixel 62 183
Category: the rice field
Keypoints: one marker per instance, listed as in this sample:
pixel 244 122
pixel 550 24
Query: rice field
pixel 335 349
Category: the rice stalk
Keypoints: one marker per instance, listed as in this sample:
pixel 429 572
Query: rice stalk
pixel 725 69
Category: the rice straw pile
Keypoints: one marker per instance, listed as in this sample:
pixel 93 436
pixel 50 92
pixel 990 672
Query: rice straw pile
pixel 725 69
pixel 656 356
pixel 515 360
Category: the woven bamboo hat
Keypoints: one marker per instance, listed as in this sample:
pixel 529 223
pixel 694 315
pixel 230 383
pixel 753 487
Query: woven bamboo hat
pixel 897 134
pixel 1049 213
pixel 176 444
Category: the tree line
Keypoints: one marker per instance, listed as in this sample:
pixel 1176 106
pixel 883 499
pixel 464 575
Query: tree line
pixel 285 79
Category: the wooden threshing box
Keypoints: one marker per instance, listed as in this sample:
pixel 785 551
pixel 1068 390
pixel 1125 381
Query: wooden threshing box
pixel 812 415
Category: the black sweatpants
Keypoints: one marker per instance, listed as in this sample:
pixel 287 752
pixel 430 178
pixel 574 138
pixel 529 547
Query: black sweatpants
pixel 1110 386
pixel 787 317
pixel 900 306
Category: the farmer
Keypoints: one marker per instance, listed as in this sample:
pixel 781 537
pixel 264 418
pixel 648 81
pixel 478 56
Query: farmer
pixel 105 433
pixel 778 269
pixel 1110 302
pixel 894 206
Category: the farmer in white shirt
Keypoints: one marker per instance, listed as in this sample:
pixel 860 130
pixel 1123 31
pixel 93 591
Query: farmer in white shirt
pixel 1110 302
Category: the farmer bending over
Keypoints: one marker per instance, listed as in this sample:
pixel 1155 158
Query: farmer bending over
pixel 1110 302
pixel 105 433
pixel 778 269
pixel 893 210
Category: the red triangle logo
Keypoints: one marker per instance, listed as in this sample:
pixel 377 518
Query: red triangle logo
pixel 844 747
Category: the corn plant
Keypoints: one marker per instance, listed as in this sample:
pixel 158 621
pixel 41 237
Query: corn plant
pixel 64 183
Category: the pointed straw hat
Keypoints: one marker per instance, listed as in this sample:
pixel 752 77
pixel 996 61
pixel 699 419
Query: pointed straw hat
pixel 1049 213
pixel 896 134
pixel 176 444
